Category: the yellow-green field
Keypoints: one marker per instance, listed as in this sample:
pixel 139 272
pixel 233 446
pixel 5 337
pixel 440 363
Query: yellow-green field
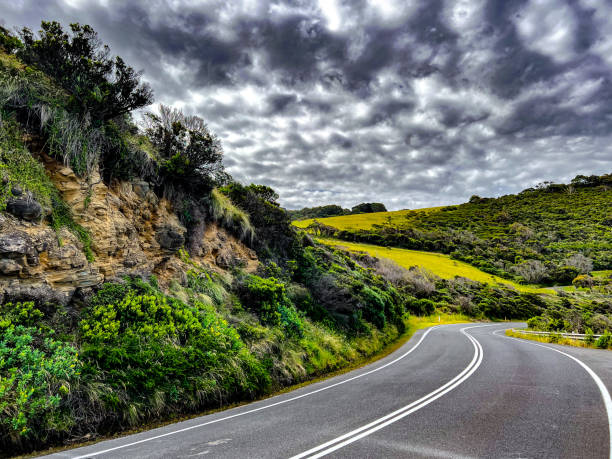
pixel 439 264
pixel 364 221
pixel 602 274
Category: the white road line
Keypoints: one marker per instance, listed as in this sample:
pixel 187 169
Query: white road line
pixel 144 440
pixel 602 387
pixel 354 435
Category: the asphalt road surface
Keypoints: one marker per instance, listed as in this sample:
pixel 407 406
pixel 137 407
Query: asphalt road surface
pixel 452 391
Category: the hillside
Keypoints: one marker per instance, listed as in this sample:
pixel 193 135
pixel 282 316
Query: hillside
pixel 548 235
pixel 138 281
pixel 364 221
pixel 438 264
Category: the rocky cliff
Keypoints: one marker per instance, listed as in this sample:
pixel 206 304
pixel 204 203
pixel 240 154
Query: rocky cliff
pixel 133 232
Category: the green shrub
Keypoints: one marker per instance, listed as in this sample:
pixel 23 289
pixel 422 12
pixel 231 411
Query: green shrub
pixel 99 85
pixel 422 306
pixel 148 344
pixel 604 341
pixel 268 297
pixel 36 373
pixel 191 157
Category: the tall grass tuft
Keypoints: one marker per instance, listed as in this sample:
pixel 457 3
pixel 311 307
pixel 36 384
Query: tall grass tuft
pixel 231 217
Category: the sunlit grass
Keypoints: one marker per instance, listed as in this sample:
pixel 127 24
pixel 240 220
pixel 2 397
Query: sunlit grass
pixel 439 264
pixel 416 323
pixel 602 274
pixel 365 221
pixel 554 339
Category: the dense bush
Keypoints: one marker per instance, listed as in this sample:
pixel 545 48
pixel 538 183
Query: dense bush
pixel 99 86
pixel 276 239
pixel 151 344
pixel 268 297
pixel 330 210
pixel 190 155
pixel 347 291
pixel 368 207
pixel 36 374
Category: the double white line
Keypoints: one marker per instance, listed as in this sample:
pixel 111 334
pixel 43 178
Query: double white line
pixel 368 429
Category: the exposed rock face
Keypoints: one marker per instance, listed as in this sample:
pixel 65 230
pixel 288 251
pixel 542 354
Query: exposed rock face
pixel 25 208
pixel 170 238
pixel 133 232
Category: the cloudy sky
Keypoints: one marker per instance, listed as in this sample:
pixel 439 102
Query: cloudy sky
pixel 411 103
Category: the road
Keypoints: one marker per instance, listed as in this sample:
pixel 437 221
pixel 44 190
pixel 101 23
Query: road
pixel 452 391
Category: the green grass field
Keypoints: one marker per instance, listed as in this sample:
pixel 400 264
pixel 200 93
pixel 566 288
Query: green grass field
pixel 602 274
pixel 365 221
pixel 439 264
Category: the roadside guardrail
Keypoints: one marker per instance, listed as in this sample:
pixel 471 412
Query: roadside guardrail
pixel 577 336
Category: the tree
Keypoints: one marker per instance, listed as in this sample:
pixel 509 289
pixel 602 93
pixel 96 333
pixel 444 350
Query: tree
pixel 9 42
pixel 100 85
pixel 533 271
pixel 580 262
pixel 191 156
pixel 584 281
pixel 368 207
pixel 265 192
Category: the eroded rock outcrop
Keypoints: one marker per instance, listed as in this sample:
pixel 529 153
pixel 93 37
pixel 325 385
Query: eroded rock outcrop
pixel 133 232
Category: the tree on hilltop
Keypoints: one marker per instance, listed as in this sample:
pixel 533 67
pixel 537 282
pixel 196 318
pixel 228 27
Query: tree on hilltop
pixel 100 85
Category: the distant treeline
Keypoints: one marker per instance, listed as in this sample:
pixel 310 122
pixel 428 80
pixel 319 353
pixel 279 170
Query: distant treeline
pixel 333 210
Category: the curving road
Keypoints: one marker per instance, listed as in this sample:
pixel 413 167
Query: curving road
pixel 452 391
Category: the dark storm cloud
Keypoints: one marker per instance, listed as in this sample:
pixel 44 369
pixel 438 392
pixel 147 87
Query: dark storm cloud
pixel 409 103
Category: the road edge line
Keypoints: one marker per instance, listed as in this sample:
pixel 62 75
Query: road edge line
pixel 605 394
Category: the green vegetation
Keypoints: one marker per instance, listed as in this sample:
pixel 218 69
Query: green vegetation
pixel 603 342
pixel 439 264
pixel 330 210
pixel 100 86
pixel 334 210
pixel 546 235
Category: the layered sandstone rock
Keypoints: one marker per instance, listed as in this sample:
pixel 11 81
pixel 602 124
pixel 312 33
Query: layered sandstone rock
pixel 133 232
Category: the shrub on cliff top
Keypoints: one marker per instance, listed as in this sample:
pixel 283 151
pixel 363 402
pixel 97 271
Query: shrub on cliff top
pixel 99 85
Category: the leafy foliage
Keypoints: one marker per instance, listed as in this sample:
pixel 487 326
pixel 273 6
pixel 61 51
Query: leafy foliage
pixel 190 155
pixel 368 208
pixel 276 239
pixel 149 343
pixel 99 86
pixel 330 210
pixel 36 372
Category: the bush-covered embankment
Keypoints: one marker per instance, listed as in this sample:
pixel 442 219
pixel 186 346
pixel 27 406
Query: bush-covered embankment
pixel 127 296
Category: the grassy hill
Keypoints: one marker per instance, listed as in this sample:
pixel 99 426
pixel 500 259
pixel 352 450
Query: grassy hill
pixel 548 234
pixel 439 264
pixel 365 221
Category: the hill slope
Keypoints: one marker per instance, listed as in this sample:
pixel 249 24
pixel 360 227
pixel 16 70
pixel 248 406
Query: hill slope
pixel 439 264
pixel 549 234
